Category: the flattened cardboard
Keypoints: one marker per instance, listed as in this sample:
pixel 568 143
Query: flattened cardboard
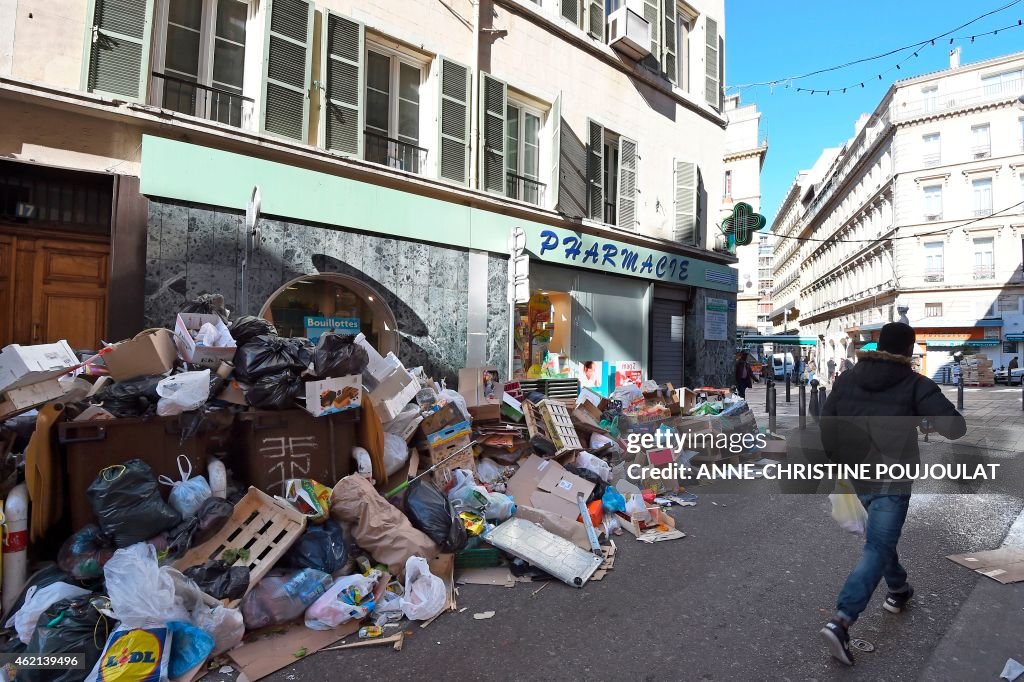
pixel 547 486
pixel 150 353
pixel 443 566
pixel 570 529
pixel 1004 565
pixel 266 655
pixel 495 577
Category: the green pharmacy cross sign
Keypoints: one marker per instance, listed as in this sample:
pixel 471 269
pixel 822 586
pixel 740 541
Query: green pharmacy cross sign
pixel 742 224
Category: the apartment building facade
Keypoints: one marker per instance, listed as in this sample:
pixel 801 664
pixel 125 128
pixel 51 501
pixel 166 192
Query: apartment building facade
pixel 395 146
pixel 921 214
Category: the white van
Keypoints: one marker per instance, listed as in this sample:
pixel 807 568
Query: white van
pixel 778 370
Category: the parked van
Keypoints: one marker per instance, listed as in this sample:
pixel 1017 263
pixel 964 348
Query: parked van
pixel 777 364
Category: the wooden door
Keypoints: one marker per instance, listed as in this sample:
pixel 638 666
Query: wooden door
pixel 8 250
pixel 69 292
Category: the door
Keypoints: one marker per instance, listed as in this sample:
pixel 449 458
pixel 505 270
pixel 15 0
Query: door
pixel 667 320
pixel 69 292
pixel 7 257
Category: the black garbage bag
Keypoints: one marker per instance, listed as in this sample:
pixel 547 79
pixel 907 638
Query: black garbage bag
pixel 338 356
pixel 599 485
pixel 49 575
pixel 132 398
pixel 208 304
pixel 70 626
pixel 84 553
pixel 429 511
pixel 266 355
pixel 219 580
pixel 127 503
pixel 276 391
pixel 304 349
pixel 321 547
pixel 248 327
pixel 195 530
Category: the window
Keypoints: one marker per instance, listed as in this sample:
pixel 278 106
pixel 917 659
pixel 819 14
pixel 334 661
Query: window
pixel 611 176
pixel 712 54
pixel 981 141
pixel 933 310
pixel 932 153
pixel 930 97
pixel 392 135
pixel 934 267
pixel 684 27
pixel 727 190
pixel 982 188
pixel 933 202
pixel 201 59
pixel 984 258
pixel 522 153
pixel 1005 82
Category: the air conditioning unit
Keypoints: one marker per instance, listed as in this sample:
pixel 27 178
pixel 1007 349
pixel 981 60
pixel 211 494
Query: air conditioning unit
pixel 629 33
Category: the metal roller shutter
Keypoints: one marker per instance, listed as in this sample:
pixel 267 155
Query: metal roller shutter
pixel 667 318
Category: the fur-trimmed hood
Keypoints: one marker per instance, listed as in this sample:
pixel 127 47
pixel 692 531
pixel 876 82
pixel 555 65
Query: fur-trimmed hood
pixel 879 370
pixel 884 356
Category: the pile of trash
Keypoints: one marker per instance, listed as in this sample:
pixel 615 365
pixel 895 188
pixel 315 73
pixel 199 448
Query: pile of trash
pixel 188 495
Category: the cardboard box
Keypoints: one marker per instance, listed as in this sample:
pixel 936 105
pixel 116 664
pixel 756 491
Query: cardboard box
pixel 393 393
pixel 204 356
pixel 27 397
pixel 447 415
pixel 26 365
pixel 152 352
pixel 333 395
pixel 1004 565
pixel 545 484
pixel 570 529
pixel 480 388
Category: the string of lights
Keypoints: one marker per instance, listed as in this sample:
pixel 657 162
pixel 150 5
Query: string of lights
pixel 913 46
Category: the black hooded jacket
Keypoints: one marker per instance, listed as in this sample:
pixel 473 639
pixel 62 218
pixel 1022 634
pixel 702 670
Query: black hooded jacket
pixel 875 408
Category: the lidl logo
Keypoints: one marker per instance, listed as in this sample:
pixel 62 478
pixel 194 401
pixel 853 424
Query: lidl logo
pixel 134 656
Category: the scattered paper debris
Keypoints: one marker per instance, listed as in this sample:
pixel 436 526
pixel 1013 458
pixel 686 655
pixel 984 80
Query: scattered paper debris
pixel 464 608
pixel 483 615
pixel 1012 670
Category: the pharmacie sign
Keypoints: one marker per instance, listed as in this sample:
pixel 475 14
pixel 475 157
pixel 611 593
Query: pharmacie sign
pixel 575 249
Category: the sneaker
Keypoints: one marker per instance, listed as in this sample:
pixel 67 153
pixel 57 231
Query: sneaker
pixel 895 602
pixel 838 641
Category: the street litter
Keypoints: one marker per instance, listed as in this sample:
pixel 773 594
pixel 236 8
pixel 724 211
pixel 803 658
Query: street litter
pixel 1012 670
pixel 237 496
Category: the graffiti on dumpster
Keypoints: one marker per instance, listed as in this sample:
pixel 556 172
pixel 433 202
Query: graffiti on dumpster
pixel 287 457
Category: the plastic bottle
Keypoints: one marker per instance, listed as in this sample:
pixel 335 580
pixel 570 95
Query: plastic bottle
pixel 370 631
pixel 282 598
pixel 15 545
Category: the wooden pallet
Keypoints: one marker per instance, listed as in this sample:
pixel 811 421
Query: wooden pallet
pixel 550 419
pixel 266 526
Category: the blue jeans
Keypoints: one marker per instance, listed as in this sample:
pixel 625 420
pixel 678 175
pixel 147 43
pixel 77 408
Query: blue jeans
pixel 886 514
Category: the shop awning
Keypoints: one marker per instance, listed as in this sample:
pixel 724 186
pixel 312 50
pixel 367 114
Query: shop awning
pixel 874 326
pixel 1014 337
pixel 954 343
pixel 871 345
pixel 958 323
pixel 781 340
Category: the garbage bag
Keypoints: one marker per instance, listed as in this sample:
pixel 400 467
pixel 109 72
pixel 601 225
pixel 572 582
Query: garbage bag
pixel 276 391
pixel 613 500
pixel 197 529
pixel 70 625
pixel 847 509
pixel 488 471
pixel 207 304
pixel 429 511
pixel 364 465
pixel 309 497
pixel 377 526
pixel 220 622
pixel 349 598
pixel 188 494
pixel 219 580
pixel 396 453
pixel 338 355
pixel 190 646
pixel 465 493
pixel 132 398
pixel 320 547
pixel 183 392
pixel 585 460
pixel 85 552
pixel 303 349
pixel 425 594
pixel 247 327
pixel 140 593
pixel 127 503
pixel 135 655
pixel 41 578
pixel 282 597
pixel 500 507
pixel 266 355
pixel 450 396
pixel 587 474
pixel 37 600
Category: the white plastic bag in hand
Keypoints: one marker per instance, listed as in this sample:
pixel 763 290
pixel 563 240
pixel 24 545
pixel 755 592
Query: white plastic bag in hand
pixel 847 509
pixel 182 392
pixel 188 494
pixel 425 593
pixel 38 600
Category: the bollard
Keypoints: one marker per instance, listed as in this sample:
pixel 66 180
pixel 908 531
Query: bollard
pixel 803 406
pixel 772 410
pixel 960 393
pixel 768 384
pixel 812 401
pixel 821 399
pixel 787 388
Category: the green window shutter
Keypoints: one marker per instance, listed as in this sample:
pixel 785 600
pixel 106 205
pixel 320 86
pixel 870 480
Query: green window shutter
pixel 571 10
pixel 287 66
pixel 668 55
pixel 453 145
pixel 652 13
pixel 595 170
pixel 341 70
pixel 493 98
pixel 712 82
pixel 685 225
pixel 626 218
pixel 555 128
pixel 595 18
pixel 116 60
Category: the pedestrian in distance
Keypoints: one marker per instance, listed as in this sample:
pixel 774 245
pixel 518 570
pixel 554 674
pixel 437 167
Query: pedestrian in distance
pixel 871 417
pixel 831 365
pixel 744 374
pixel 1013 365
pixel 811 369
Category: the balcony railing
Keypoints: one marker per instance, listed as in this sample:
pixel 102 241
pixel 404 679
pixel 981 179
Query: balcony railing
pixel 524 189
pixel 981 151
pixel 934 275
pixel 394 153
pixel 954 100
pixel 934 159
pixel 984 272
pixel 982 212
pixel 204 101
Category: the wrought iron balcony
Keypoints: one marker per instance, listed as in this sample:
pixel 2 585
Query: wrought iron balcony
pixel 934 275
pixel 981 151
pixel 393 153
pixel 984 272
pixel 982 212
pixel 524 189
pixel 204 101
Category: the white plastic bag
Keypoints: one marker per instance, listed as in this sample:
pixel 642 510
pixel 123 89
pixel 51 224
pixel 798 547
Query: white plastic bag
pixel 333 607
pixel 396 453
pixel 466 494
pixel 364 465
pixel 847 509
pixel 224 624
pixel 488 471
pixel 183 392
pixel 635 506
pixel 140 593
pixel 215 335
pixel 599 440
pixel 593 463
pixel 400 424
pixel 38 600
pixel 425 593
pixel 450 396
pixel 188 494
pixel 499 507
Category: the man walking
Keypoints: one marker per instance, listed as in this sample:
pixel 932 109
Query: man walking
pixel 871 417
pixel 744 374
pixel 831 370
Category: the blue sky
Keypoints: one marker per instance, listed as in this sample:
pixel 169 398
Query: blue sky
pixel 773 39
